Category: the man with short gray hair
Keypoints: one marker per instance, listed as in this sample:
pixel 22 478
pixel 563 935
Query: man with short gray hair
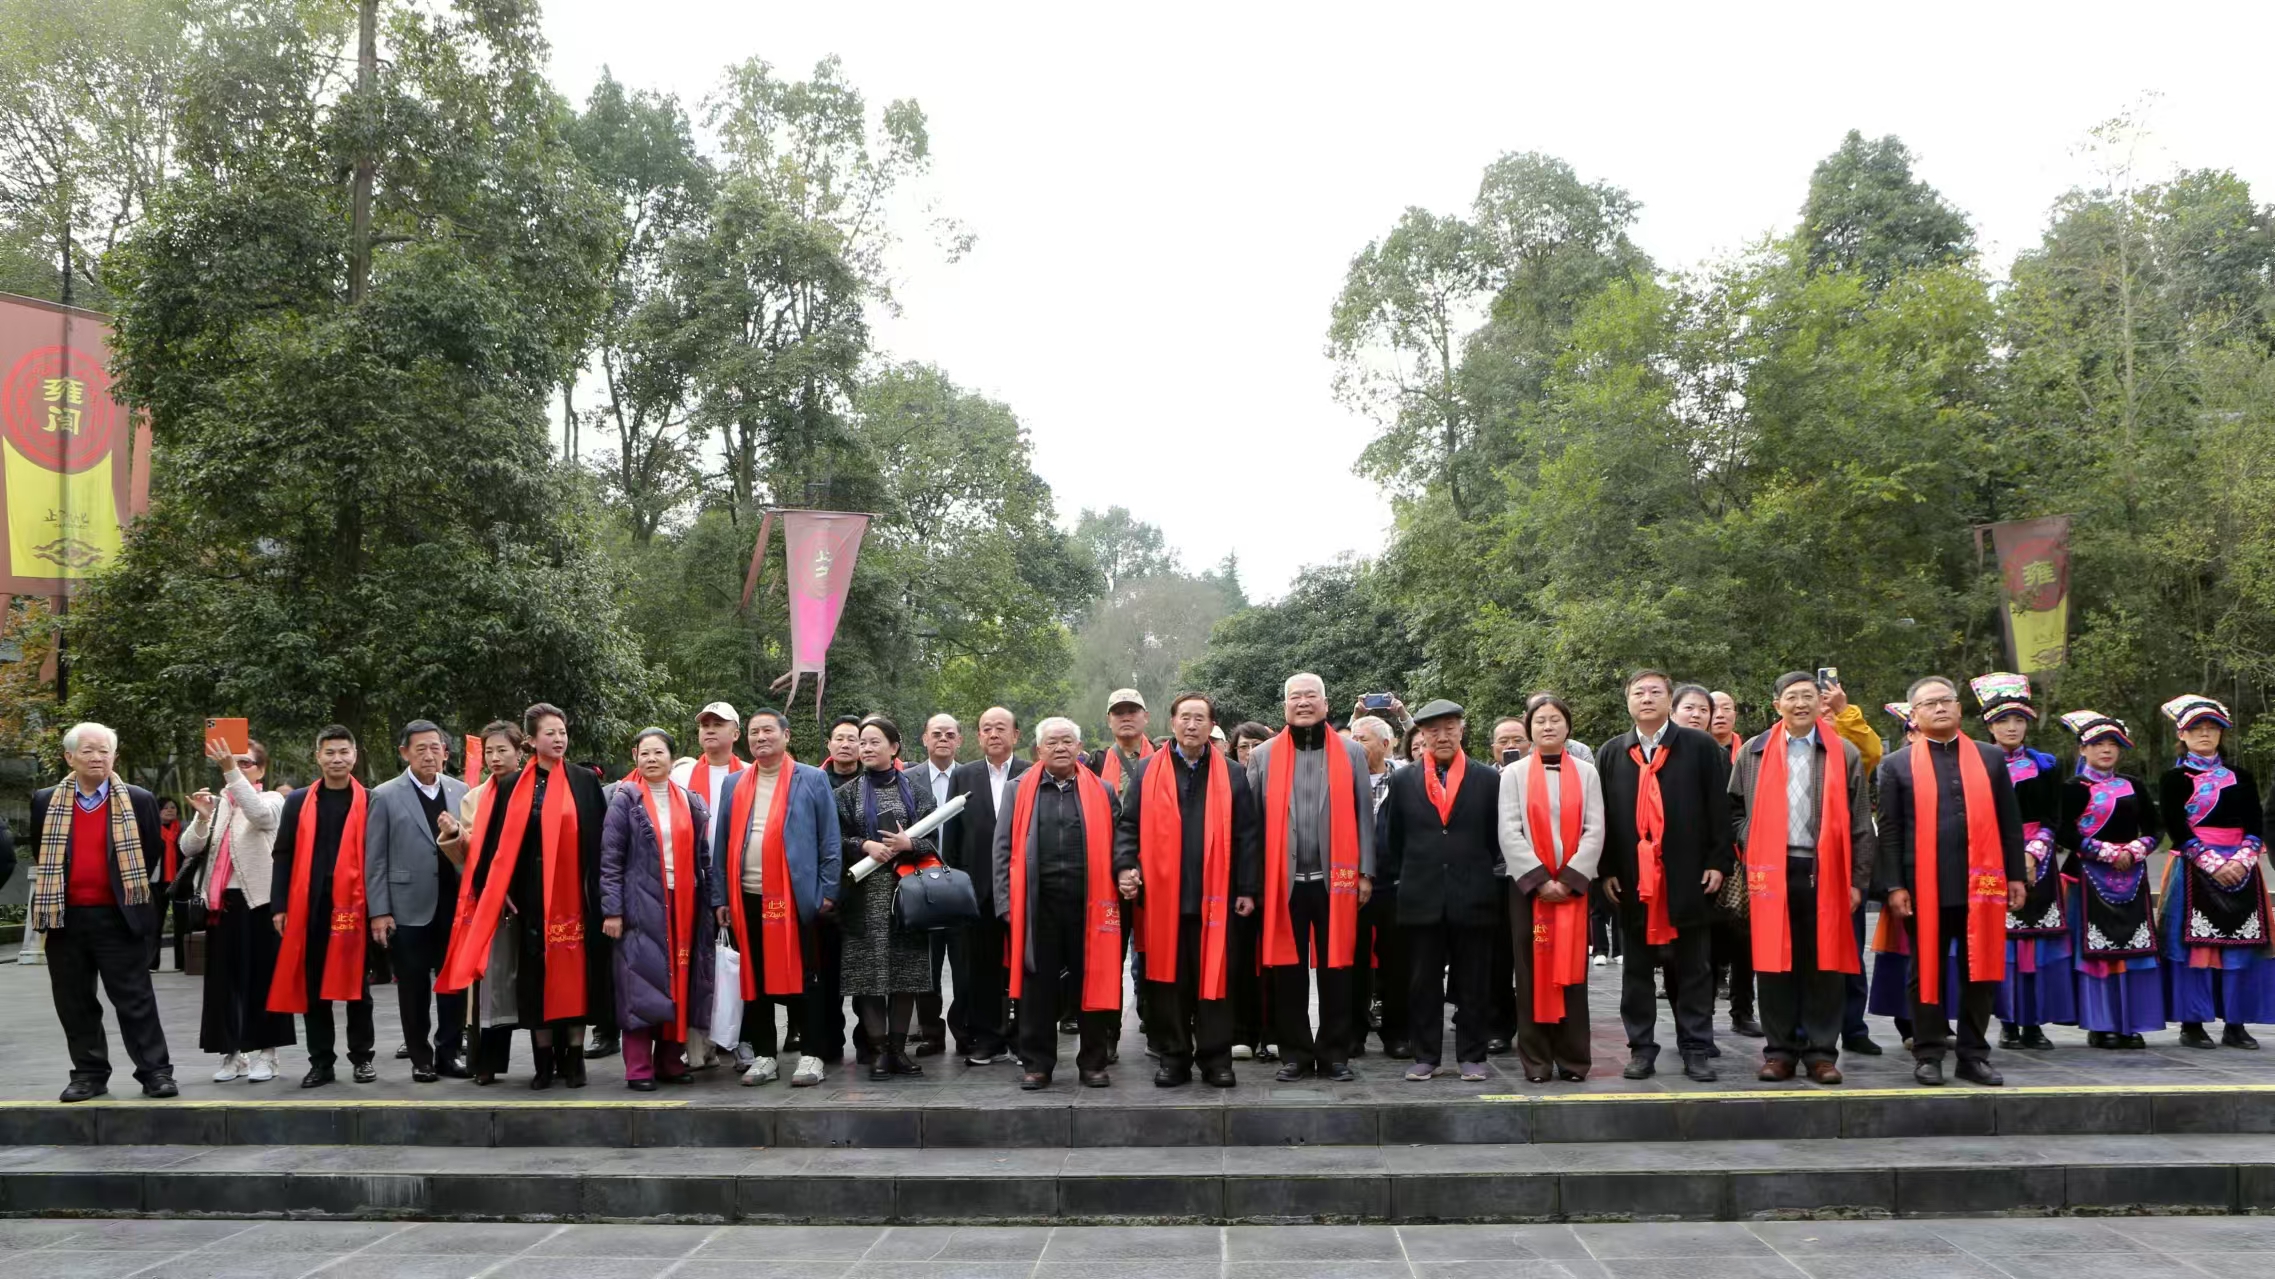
pixel 1319 837
pixel 92 898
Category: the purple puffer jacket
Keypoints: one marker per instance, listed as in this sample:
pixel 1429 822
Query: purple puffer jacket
pixel 632 885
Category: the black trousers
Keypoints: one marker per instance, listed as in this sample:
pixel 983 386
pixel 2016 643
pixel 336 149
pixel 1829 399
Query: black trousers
pixel 1380 965
pixel 1802 1009
pixel 822 1031
pixel 1604 936
pixel 1245 982
pixel 1544 1046
pixel 1445 957
pixel 1931 1030
pixel 1734 954
pixel 416 952
pixel 1690 980
pixel 1855 988
pixel 1055 937
pixel 806 1011
pixel 179 913
pixel 94 943
pixel 1291 988
pixel 1186 1029
pixel 980 1013
pixel 931 1012
pixel 1501 988
pixel 322 1034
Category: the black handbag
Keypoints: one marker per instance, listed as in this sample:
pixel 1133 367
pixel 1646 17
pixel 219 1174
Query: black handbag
pixel 933 899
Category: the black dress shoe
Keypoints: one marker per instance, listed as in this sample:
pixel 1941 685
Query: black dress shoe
pixel 1069 1026
pixel 1397 1050
pixel 931 1047
pixel 402 1052
pixel 2010 1036
pixel 1746 1025
pixel 879 1068
pixel 455 1068
pixel 366 1072
pixel 2129 1041
pixel 1568 1075
pixel 318 1076
pixel 899 1063
pixel 640 1085
pixel 2035 1037
pixel 1168 1077
pixel 2235 1036
pixel 1291 1073
pixel 161 1086
pixel 1342 1073
pixel 2192 1036
pixel 1034 1081
pixel 1640 1067
pixel 1929 1073
pixel 603 1046
pixel 1980 1072
pixel 1698 1069
pixel 1499 1047
pixel 1095 1079
pixel 2101 1039
pixel 1219 1078
pixel 84 1090
pixel 1861 1045
pixel 423 1075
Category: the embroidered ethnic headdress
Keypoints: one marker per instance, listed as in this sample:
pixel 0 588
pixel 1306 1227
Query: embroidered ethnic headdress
pixel 2003 693
pixel 1903 713
pixel 2190 709
pixel 2093 726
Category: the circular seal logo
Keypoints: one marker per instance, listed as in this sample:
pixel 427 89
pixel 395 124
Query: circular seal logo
pixel 59 413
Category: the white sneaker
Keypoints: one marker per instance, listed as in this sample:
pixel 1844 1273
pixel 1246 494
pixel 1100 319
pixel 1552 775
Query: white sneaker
pixel 264 1066
pixel 1597 962
pixel 762 1071
pixel 744 1056
pixel 232 1065
pixel 1242 1052
pixel 808 1074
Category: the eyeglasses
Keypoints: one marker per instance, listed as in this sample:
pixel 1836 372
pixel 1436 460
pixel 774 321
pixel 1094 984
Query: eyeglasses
pixel 1930 703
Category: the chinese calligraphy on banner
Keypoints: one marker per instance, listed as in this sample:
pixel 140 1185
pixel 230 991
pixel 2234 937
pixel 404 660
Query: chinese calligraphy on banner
pixel 73 464
pixel 2034 585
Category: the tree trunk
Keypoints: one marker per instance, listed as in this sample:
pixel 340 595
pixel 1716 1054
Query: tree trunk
pixel 366 82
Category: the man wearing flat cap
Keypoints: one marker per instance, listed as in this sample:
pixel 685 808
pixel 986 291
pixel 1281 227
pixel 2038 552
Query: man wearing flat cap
pixel 1440 847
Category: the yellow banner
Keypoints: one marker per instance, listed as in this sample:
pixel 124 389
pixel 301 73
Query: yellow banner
pixel 61 525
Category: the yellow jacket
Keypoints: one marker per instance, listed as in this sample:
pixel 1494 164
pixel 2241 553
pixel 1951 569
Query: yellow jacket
pixel 1850 724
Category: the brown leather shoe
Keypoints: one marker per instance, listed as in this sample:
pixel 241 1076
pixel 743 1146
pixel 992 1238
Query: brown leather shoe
pixel 1824 1072
pixel 1776 1071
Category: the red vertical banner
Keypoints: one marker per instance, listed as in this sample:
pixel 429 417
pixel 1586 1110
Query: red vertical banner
pixel 2034 589
pixel 473 760
pixel 820 548
pixel 73 463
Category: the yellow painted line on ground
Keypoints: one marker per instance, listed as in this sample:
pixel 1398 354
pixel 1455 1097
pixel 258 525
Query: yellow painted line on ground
pixel 1836 1093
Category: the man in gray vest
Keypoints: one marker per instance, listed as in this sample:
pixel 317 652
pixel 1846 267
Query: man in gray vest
pixel 412 891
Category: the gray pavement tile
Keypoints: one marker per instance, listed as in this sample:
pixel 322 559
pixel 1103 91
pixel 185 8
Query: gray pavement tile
pixel 665 1242
pixel 2070 1265
pixel 153 1236
pixel 790 1243
pixel 1275 1244
pixel 320 1238
pixel 19 1236
pixel 531 1267
pixel 742 1269
pixel 1992 1237
pixel 1696 1240
pixel 1853 1238
pixel 1108 1244
pixel 2199 1234
pixel 440 1238
pixel 226 1262
pixel 58 1263
pixel 1321 1268
pixel 941 1270
pixel 1533 1268
pixel 1126 1268
pixel 1767 1266
pixel 411 1266
pixel 2230 1265
pixel 1490 1243
pixel 1955 1265
pixel 960 1244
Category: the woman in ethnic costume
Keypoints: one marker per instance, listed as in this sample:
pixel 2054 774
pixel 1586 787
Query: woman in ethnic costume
pixel 2215 901
pixel 2109 824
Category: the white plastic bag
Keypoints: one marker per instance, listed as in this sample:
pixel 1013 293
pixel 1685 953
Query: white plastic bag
pixel 726 996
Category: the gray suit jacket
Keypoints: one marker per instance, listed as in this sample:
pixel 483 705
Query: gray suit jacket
pixel 1361 797
pixel 399 873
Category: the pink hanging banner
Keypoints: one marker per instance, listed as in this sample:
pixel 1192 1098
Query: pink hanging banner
pixel 820 548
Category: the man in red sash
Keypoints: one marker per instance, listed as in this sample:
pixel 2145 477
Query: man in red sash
pixel 775 840
pixel 1054 888
pixel 1666 849
pixel 317 887
pixel 1188 843
pixel 1952 871
pixel 1801 809
pixel 1319 833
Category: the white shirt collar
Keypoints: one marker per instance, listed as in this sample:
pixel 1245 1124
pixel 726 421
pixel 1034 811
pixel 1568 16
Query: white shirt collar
pixel 429 791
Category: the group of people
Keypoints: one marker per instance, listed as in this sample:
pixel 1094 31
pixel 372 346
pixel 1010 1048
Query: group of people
pixel 1241 877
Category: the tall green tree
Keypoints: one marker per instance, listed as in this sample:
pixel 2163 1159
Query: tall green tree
pixel 1867 215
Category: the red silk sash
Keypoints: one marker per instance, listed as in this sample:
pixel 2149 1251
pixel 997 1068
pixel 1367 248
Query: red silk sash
pixel 699 777
pixel 1768 835
pixel 344 920
pixel 1650 834
pixel 1559 929
pixel 1986 872
pixel 1102 909
pixel 1161 860
pixel 1342 856
pixel 676 865
pixel 783 957
pixel 1442 793
pixel 564 925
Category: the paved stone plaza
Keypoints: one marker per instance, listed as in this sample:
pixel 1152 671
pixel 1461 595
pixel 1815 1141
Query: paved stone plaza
pixel 2144 1248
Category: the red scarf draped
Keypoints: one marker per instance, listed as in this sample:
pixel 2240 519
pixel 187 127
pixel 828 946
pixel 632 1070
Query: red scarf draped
pixel 1110 768
pixel 1442 793
pixel 1342 856
pixel 171 832
pixel 564 924
pixel 1161 860
pixel 1102 922
pixel 345 922
pixel 780 952
pixel 1650 834
pixel 1767 838
pixel 1986 872
pixel 1559 929
pixel 676 866
pixel 699 778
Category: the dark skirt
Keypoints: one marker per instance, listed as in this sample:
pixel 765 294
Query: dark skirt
pixel 600 981
pixel 240 962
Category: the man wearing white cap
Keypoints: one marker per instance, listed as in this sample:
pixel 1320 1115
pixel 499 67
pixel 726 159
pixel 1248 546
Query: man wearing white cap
pixel 716 728
pixel 1127 719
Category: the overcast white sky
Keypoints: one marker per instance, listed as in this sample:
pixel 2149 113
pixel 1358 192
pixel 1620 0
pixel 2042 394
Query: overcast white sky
pixel 1166 196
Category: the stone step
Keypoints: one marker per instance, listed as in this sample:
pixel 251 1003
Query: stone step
pixel 732 1117
pixel 1699 1180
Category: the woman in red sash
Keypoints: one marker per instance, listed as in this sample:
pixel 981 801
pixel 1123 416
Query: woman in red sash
pixel 1552 837
pixel 655 904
